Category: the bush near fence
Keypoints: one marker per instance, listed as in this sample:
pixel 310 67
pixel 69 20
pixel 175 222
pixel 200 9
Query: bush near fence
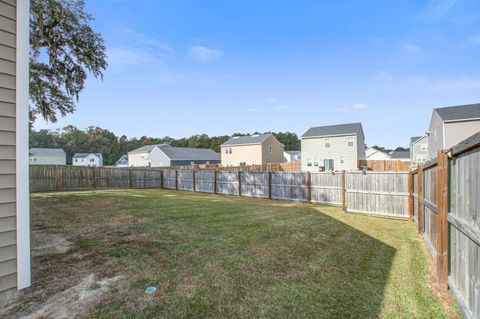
pixel 445 204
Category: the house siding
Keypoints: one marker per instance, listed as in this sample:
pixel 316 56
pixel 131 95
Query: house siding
pixel 416 153
pixel 250 154
pixel 435 138
pixel 157 158
pixel 48 160
pixel 277 151
pixel 314 148
pixel 456 132
pixel 137 159
pixel 8 252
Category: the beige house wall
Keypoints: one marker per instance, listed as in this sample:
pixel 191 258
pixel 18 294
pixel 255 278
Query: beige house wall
pixel 276 156
pixel 250 154
pixel 137 159
pixel 456 132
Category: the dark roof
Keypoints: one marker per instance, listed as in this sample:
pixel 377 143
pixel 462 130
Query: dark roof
pixel 294 153
pixel 400 155
pixel 341 129
pixel 247 139
pixel 83 155
pixel 146 148
pixel 123 158
pixel 415 139
pixel 189 154
pixel 47 151
pixel 462 112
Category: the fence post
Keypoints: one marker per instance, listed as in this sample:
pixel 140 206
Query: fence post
pixel 344 192
pixel 215 181
pixel 239 176
pixel 421 197
pixel 442 221
pixel 130 178
pixel 410 195
pixel 176 179
pixel 269 185
pixel 161 178
pixel 309 187
pixel 193 181
pixel 94 177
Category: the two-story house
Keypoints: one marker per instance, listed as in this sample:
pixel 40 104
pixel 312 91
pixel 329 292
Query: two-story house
pixel 333 148
pixel 451 125
pixel 87 159
pixel 419 149
pixel 164 155
pixel 258 149
pixel 47 156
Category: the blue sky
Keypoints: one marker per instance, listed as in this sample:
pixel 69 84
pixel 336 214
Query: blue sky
pixel 184 67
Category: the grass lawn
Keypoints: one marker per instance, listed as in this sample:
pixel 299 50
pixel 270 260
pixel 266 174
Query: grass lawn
pixel 223 257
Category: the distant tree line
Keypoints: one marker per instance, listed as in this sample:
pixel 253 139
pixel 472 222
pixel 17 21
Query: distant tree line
pixel 97 140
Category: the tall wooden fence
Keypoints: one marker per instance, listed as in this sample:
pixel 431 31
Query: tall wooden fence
pixel 445 201
pixel 375 193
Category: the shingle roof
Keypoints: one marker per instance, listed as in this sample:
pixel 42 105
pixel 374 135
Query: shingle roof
pixel 146 148
pixel 83 155
pixel 330 130
pixel 123 158
pixel 189 154
pixel 400 155
pixel 47 151
pixel 247 139
pixel 461 112
pixel 415 139
pixel 294 153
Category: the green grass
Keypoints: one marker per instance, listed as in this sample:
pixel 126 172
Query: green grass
pixel 229 257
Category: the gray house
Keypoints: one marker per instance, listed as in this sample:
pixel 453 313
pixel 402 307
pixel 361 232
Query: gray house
pixel 47 156
pixel 419 149
pixel 164 155
pixel 122 161
pixel 15 258
pixel 333 148
pixel 403 156
pixel 451 125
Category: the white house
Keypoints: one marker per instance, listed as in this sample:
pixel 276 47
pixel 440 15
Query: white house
pixel 15 260
pixel 47 156
pixel 376 155
pixel 292 156
pixel 333 148
pixel 164 155
pixel 122 161
pixel 87 159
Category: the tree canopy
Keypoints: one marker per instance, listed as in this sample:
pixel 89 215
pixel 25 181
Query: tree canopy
pixel 64 50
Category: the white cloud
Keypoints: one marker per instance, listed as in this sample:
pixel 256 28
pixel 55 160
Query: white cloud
pixel 411 48
pixel 354 107
pixel 204 54
pixel 283 108
pixel 436 9
pixel 272 100
pixel 253 109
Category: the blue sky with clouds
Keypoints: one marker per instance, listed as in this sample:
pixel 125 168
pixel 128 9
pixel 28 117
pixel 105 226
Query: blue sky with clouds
pixel 184 67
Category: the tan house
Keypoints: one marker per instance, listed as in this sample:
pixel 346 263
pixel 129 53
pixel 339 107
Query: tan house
pixel 14 155
pixel 258 149
pixel 333 148
pixel 451 125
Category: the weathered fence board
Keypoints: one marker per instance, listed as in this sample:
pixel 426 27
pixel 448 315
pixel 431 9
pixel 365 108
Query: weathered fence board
pixel 204 181
pixel 255 184
pixel 169 179
pixel 464 220
pixel 430 201
pixel 289 186
pixel 326 188
pixel 378 193
pixel 227 183
pixel 185 180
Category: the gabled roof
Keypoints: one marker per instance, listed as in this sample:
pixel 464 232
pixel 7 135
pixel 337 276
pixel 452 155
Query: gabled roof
pixel 146 148
pixel 123 158
pixel 461 112
pixel 47 151
pixel 332 130
pixel 293 153
pixel 83 155
pixel 400 155
pixel 247 139
pixel 415 139
pixel 189 153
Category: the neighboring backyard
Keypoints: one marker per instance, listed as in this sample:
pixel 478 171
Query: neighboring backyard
pixel 220 257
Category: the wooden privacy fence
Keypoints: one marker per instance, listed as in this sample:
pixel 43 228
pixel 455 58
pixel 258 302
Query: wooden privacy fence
pixel 385 165
pixel 378 193
pixel 445 203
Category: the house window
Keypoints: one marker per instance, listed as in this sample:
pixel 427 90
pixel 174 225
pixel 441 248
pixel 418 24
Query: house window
pixel 92 160
pixel 328 142
pixel 226 150
pixel 76 160
pixel 243 164
pixel 424 147
pixel 270 149
pixel 309 162
pixel 229 164
pixel 316 162
pixel 351 141
pixel 342 159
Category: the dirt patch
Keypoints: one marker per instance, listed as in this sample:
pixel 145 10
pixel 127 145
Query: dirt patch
pixel 73 301
pixel 49 244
